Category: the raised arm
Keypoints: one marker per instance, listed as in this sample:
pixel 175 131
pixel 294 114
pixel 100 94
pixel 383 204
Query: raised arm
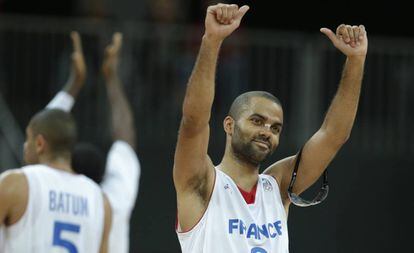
pixel 65 99
pixel 121 114
pixel 322 147
pixel 193 169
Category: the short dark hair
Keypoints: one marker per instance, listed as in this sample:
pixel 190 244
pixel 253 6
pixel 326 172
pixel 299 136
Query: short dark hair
pixel 88 160
pixel 58 128
pixel 241 103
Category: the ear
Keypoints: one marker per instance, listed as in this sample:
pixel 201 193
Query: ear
pixel 228 124
pixel 40 143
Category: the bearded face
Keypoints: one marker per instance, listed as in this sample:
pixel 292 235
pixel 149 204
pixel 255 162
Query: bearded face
pixel 253 149
pixel 256 133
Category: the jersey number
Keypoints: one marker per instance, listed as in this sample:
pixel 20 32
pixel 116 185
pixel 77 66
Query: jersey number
pixel 57 235
pixel 258 250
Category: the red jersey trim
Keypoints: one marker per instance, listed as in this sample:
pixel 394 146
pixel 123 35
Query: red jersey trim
pixel 249 197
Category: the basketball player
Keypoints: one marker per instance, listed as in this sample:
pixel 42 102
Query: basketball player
pixel 231 207
pixel 120 179
pixel 45 206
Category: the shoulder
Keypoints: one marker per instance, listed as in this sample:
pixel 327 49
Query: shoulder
pixel 14 187
pixel 280 168
pixel 122 147
pixel 122 154
pixel 12 178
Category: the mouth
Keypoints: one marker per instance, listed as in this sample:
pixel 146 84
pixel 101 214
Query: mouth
pixel 262 144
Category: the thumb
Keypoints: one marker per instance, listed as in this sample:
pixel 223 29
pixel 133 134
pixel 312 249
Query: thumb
pixel 243 10
pixel 117 41
pixel 329 34
pixel 76 41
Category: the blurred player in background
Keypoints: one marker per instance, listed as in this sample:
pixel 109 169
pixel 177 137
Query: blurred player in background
pixel 119 177
pixel 46 206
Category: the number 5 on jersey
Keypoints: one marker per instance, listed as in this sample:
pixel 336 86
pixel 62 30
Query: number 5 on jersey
pixel 58 241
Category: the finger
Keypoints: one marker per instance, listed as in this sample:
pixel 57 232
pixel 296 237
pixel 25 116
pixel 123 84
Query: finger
pixel 362 32
pixel 339 29
pixel 225 19
pixel 355 30
pixel 234 9
pixel 219 13
pixel 351 35
pixel 241 12
pixel 76 41
pixel 329 34
pixel 117 41
pixel 342 31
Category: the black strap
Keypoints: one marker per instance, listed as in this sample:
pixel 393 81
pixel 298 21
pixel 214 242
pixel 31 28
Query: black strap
pixel 295 172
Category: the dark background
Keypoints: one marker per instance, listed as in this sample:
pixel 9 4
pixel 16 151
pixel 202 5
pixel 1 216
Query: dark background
pixel 380 17
pixel 370 205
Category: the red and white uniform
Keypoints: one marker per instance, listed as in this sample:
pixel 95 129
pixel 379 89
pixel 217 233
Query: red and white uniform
pixel 231 225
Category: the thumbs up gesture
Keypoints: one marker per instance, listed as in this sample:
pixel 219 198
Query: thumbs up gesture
pixel 350 40
pixel 223 19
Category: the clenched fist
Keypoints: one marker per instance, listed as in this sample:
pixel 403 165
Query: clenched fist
pixel 223 19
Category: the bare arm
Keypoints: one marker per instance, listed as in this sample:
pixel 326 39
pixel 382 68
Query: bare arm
pixel 193 170
pixel 107 226
pixel 65 99
pixel 5 199
pixel 322 147
pixel 194 128
pixel 13 196
pixel 78 69
pixel 120 108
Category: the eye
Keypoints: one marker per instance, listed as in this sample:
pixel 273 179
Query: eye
pixel 276 129
pixel 257 121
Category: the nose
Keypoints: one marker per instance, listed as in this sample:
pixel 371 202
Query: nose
pixel 266 131
pixel 267 128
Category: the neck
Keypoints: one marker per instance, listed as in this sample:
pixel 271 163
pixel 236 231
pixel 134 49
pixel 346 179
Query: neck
pixel 244 173
pixel 59 163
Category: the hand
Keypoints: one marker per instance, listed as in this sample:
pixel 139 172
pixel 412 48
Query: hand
pixel 223 19
pixel 78 68
pixel 350 40
pixel 110 64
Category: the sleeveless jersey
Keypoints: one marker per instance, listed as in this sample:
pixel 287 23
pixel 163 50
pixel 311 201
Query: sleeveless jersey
pixel 64 214
pixel 120 185
pixel 231 225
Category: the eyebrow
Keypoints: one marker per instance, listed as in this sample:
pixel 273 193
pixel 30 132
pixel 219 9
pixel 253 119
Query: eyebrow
pixel 277 123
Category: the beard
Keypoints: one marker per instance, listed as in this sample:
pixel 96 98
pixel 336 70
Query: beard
pixel 245 149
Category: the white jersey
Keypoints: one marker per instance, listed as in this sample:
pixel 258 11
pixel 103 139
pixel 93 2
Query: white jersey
pixel 1 238
pixel 231 225
pixel 120 184
pixel 64 214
